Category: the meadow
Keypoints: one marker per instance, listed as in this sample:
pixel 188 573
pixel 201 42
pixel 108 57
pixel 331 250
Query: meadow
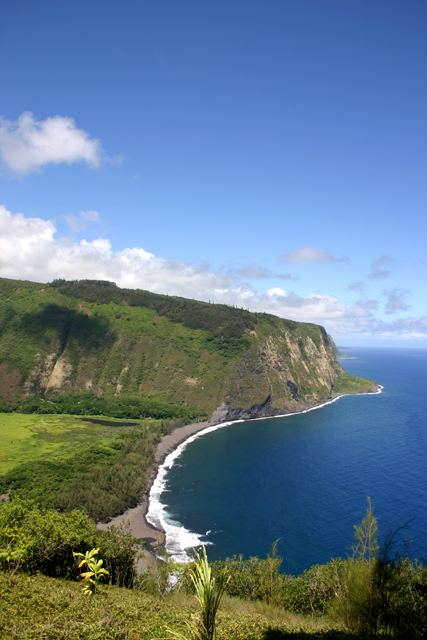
pixel 23 438
pixel 63 462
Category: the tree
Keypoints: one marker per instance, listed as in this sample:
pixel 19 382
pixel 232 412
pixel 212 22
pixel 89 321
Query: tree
pixel 366 546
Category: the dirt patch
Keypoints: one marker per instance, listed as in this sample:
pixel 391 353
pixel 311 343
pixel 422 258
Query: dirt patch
pixel 10 382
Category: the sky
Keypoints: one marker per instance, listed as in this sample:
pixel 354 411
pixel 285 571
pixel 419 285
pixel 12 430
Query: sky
pixel 266 154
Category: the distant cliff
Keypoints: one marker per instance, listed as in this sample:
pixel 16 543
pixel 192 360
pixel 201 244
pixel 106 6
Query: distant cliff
pixel 93 338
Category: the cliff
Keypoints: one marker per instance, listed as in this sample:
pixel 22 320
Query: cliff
pixel 93 338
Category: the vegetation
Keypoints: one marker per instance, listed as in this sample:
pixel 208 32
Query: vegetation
pixel 352 384
pixel 40 608
pixel 208 592
pixel 67 463
pixel 376 592
pixel 127 406
pixel 225 325
pixel 91 348
pixel 25 438
pixel 38 541
pixel 95 571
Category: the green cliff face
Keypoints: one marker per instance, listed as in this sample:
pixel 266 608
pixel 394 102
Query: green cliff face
pixel 91 336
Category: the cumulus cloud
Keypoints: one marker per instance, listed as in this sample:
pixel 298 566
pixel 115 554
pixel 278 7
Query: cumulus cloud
pixel 396 300
pixel 29 250
pixel 310 255
pixel 80 222
pixel 377 268
pixel 28 144
pixel 276 291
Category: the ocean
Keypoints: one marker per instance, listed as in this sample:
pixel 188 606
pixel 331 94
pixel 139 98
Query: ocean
pixel 305 479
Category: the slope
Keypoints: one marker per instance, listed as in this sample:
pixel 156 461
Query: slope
pixel 92 344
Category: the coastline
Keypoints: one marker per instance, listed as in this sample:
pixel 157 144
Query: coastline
pixel 136 517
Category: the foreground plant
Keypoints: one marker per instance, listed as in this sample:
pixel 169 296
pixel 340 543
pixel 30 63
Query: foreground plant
pixel 95 572
pixel 208 593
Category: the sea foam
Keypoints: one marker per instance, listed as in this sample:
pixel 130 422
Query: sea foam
pixel 178 539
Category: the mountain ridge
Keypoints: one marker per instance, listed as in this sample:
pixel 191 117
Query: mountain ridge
pixel 122 345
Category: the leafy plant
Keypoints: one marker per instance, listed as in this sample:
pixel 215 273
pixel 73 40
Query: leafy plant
pixel 95 572
pixel 208 593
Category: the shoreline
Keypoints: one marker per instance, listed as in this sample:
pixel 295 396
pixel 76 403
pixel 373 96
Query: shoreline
pixel 136 517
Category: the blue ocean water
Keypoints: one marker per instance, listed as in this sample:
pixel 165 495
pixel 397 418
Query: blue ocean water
pixel 305 478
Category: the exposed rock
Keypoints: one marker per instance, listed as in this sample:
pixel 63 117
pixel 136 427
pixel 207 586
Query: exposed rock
pixel 60 372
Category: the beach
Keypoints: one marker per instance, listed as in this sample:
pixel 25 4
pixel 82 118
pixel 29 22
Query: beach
pixel 139 527
pixel 136 517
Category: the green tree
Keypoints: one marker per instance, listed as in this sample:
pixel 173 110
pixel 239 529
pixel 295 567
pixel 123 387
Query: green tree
pixel 366 546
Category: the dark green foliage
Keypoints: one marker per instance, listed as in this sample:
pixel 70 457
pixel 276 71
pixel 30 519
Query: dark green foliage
pixel 44 541
pixel 315 590
pixel 226 325
pixel 259 579
pixel 103 481
pixel 107 491
pixel 66 323
pixel 84 403
pixel 249 578
pixel 117 549
pixel 387 596
pixel 290 324
pixel 40 480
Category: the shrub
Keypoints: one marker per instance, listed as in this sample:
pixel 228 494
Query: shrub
pixel 33 541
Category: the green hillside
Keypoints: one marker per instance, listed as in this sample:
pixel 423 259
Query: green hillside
pixel 90 347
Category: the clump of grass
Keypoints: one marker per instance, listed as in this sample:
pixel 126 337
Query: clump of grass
pixel 208 593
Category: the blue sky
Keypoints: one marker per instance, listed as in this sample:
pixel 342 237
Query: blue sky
pixel 267 154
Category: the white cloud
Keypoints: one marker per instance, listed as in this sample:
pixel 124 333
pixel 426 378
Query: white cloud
pixel 29 250
pixel 276 291
pixel 80 222
pixel 28 144
pixel 377 271
pixel 310 255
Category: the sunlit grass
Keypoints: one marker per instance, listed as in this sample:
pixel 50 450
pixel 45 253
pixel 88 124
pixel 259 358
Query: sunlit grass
pixel 25 438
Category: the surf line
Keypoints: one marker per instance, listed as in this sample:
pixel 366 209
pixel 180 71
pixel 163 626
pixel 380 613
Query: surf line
pixel 178 538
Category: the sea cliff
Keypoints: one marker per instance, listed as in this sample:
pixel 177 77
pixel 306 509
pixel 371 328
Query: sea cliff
pixel 132 353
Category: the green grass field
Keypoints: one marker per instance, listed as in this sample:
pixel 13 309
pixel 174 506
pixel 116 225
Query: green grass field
pixel 351 384
pixel 25 438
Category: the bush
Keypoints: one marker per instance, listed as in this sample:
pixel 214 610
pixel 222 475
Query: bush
pixel 33 540
pixel 257 579
pixel 382 592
